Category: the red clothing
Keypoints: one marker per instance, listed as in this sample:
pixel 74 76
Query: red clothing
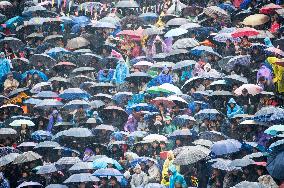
pixel 237 3
pixel 274 27
pixel 135 52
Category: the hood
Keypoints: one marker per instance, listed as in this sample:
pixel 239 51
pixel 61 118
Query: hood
pixel 173 169
pixel 232 101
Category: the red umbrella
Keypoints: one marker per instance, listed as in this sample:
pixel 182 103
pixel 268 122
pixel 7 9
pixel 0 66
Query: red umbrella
pixel 269 8
pixel 246 31
pixel 163 101
pixel 134 34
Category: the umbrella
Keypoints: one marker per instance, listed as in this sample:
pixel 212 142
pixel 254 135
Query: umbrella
pixel 126 4
pixel 202 142
pixel 49 103
pixel 275 130
pixel 33 71
pixel 81 178
pixel 252 89
pixel 68 161
pixel 275 166
pixel 7 159
pixel 32 101
pixel 108 25
pixel 105 127
pixel 255 20
pixel 212 11
pixel 213 136
pixel 238 60
pixel 180 133
pixel 163 64
pixel 29 184
pixel 107 113
pixel 76 104
pixel 149 16
pixel 175 32
pixel 41 135
pixel 47 169
pixel 231 79
pixel 222 164
pixel 154 185
pixel 275 51
pixel 122 97
pixel 241 162
pixel 46 94
pixel 29 10
pixel 7 132
pixel 97 104
pixel 47 144
pixel 269 8
pixel 5 3
pixel 190 26
pixel 169 88
pixel 177 22
pixel 76 132
pixel 58 79
pixel 279 43
pixel 163 101
pixel 143 63
pixel 74 93
pixel 19 122
pixel 27 144
pixel 77 43
pixel 224 147
pixel 138 77
pixel 103 163
pixel 40 86
pixel 152 31
pixel 42 58
pixel 183 119
pixel 81 166
pixel 246 31
pixel 185 63
pixel 191 155
pixel 276 147
pixel 185 43
pixel 56 186
pixel 207 114
pixel 108 172
pixel 246 184
pixel 27 157
pixel 223 37
pixel 14 43
pixel 155 137
pixel 254 155
pixel 199 50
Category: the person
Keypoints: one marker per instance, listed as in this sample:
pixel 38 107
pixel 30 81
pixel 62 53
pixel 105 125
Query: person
pixel 5 66
pixel 216 180
pixel 24 134
pixel 169 127
pixel 176 178
pixel 113 183
pixel 153 172
pixel 186 74
pixel 80 116
pixel 165 77
pixel 229 49
pixel 3 181
pixel 246 101
pixel 139 179
pixel 120 73
pixel 54 118
pixel 10 84
pixel 233 108
pixel 168 162
pixel 105 75
pixel 274 24
pixel 132 122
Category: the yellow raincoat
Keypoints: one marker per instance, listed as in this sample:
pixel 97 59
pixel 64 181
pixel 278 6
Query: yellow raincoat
pixel 278 73
pixel 168 162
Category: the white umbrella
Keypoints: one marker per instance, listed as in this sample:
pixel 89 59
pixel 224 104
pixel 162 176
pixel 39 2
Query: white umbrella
pixel 175 32
pixel 252 89
pixel 155 137
pixel 171 88
pixel 19 122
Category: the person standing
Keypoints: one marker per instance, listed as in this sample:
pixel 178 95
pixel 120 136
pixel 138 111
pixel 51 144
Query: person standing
pixel 139 179
pixel 120 73
pixel 176 179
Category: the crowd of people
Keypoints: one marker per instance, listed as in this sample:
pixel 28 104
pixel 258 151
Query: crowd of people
pixel 152 94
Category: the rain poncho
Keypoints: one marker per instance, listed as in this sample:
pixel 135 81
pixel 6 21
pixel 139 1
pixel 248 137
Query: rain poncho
pixel 278 73
pixel 53 121
pixel 121 72
pixel 168 162
pixel 105 78
pixel 236 110
pixel 176 178
pixel 4 66
pixel 164 78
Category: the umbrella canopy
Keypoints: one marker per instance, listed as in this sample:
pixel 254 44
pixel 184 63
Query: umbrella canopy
pixel 177 22
pixel 76 104
pixel 213 136
pixel 47 169
pixel 19 122
pixel 56 186
pixel 46 94
pixel 224 147
pixel 269 8
pixel 108 172
pixel 28 184
pixel 14 43
pixel 42 58
pixel 175 32
pixel 138 77
pixel 68 161
pixel 155 137
pixel 7 132
pixel 47 144
pixel 126 4
pixel 241 162
pixel 103 163
pixel 77 43
pixel 246 31
pixel 27 157
pixel 7 159
pixel 191 155
pixel 81 166
pixel 185 43
pixel 163 101
pixel 222 164
pixel 214 10
pixel 245 184
pixel 255 20
pixel 81 178
pixel 275 130
pixel 74 93
pixel 207 114
pixel 185 63
pixel 75 132
pixel 252 89
pixel 275 166
pixel 49 103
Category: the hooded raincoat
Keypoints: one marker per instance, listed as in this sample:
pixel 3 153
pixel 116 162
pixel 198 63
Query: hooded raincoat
pixel 176 178
pixel 233 111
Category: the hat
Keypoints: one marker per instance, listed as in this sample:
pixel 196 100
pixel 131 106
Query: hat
pixel 137 167
pixel 168 118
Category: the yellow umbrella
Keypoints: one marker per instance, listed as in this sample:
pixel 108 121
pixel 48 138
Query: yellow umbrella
pixel 255 20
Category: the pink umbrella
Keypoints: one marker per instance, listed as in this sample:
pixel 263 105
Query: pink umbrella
pixel 252 89
pixel 163 101
pixel 246 31
pixel 269 8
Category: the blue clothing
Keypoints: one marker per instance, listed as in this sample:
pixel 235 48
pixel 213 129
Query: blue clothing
pixel 105 78
pixel 164 78
pixel 185 75
pixel 52 122
pixel 121 72
pixel 233 111
pixel 176 178
pixel 4 67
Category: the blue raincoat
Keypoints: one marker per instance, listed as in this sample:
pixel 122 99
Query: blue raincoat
pixel 176 178
pixel 4 67
pixel 121 72
pixel 164 78
pixel 236 110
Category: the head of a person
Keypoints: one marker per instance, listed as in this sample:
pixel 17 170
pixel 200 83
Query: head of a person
pixel 168 120
pixel 150 163
pixel 245 39
pixel 262 80
pixel 54 113
pixel 113 181
pixel 166 70
pixel 228 42
pixel 155 144
pixel 10 76
pixel 245 92
pixel 24 126
pixel 159 118
pixel 104 180
pixel 2 55
pixel 137 169
pixel 232 103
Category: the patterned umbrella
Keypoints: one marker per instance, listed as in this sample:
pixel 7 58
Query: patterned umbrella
pixel 214 10
pixel 185 43
pixel 191 155
pixel 243 60
pixel 7 159
pixel 246 184
pixel 207 114
pixel 213 136
pixel 224 147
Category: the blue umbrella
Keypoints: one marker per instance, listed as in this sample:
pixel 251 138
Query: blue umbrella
pixel 224 147
pixel 54 52
pixel 277 146
pixel 180 133
pixel 76 28
pixel 149 16
pixel 136 161
pixel 6 150
pixel 143 107
pixel 213 136
pixel 14 22
pixel 265 113
pixel 275 166
pixel 199 50
pixel 46 94
pixel 75 104
pixel 183 119
pixel 74 93
pixel 32 101
pixel 210 114
pixel 49 103
pixel 103 163
pixel 228 7
pixel 41 135
pixel 122 97
pixel 33 71
pixel 80 20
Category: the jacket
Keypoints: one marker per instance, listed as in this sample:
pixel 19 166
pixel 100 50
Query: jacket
pixel 4 67
pixel 154 174
pixel 236 110
pixel 121 72
pixel 176 178
pixel 139 180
